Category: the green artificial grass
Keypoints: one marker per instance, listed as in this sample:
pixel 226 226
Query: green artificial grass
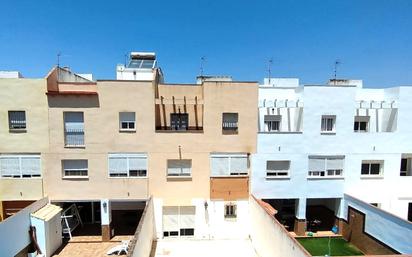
pixel 318 246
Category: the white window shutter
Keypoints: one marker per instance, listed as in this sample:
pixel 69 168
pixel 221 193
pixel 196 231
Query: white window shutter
pixel 220 166
pixel 30 166
pixel 238 164
pixel 316 164
pixel 170 218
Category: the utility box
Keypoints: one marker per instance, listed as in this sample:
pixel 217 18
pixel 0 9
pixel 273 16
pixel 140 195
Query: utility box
pixel 47 221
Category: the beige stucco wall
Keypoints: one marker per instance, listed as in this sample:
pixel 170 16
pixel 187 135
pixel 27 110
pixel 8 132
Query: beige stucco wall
pixel 28 95
pixel 102 136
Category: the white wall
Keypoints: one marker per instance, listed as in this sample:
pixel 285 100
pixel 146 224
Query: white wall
pixel 145 232
pixel 269 237
pixel 211 224
pixel 391 190
pixel 14 231
pixel 389 229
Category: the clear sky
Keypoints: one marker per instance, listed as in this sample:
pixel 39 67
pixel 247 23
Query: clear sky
pixel 373 39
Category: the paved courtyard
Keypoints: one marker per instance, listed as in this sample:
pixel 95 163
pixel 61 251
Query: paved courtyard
pixel 88 246
pixel 204 248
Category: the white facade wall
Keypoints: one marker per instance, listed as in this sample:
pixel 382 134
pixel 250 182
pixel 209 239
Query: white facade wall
pixel 391 190
pixel 210 223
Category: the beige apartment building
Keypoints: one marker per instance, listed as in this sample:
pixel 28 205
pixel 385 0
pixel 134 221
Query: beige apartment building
pixel 23 141
pixel 109 145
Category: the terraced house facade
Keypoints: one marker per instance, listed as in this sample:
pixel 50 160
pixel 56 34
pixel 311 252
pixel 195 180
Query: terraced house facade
pixel 109 145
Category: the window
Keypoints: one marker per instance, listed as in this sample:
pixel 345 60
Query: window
pixel 229 122
pixel 74 129
pixel 179 121
pixel 20 166
pixel 178 221
pixel 17 120
pixel 406 169
pixel 361 124
pixel 127 165
pixel 328 123
pixel 230 211
pixel 229 164
pixel 277 168
pixel 74 168
pixel 373 168
pixel 326 166
pixel 272 122
pixel 127 121
pixel 179 168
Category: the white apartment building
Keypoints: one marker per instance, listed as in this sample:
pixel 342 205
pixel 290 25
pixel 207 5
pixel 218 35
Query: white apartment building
pixel 317 142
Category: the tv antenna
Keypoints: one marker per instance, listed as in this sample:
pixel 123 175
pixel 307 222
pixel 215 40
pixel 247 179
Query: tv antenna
pixel 337 62
pixel 58 58
pixel 202 63
pixel 270 63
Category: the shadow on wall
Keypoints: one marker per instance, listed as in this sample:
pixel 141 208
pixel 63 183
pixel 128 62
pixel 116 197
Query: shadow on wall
pixel 73 101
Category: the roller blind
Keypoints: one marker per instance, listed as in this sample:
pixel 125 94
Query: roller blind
pixel 238 164
pixel 127 116
pixel 73 121
pixel 334 164
pixel 10 166
pixel 118 165
pixel 272 118
pixel 75 164
pixel 136 163
pixel 30 166
pixel 220 166
pixel 187 216
pixel 170 218
pixel 179 167
pixel 316 164
pixel 277 165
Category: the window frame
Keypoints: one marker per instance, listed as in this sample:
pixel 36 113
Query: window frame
pixel 65 176
pixel 324 129
pixel 277 176
pixel 178 120
pixel 127 156
pixel 326 171
pixel 277 119
pixel 230 129
pixel 23 128
pixel 230 211
pixel 361 119
pixel 370 163
pixel 82 132
pixel 128 122
pixel 181 174
pixel 21 175
pixel 230 156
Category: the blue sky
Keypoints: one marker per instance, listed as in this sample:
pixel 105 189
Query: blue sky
pixel 373 39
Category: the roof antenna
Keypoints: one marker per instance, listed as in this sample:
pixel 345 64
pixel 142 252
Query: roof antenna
pixel 337 62
pixel 58 58
pixel 202 63
pixel 270 63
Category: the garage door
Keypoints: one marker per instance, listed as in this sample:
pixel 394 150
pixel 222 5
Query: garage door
pixel 178 221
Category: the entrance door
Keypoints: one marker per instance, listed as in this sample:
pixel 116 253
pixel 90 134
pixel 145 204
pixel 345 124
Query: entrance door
pixel 410 212
pixel 178 221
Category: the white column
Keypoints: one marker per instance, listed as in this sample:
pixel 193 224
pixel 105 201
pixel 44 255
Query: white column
pixel 105 210
pixel 301 208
